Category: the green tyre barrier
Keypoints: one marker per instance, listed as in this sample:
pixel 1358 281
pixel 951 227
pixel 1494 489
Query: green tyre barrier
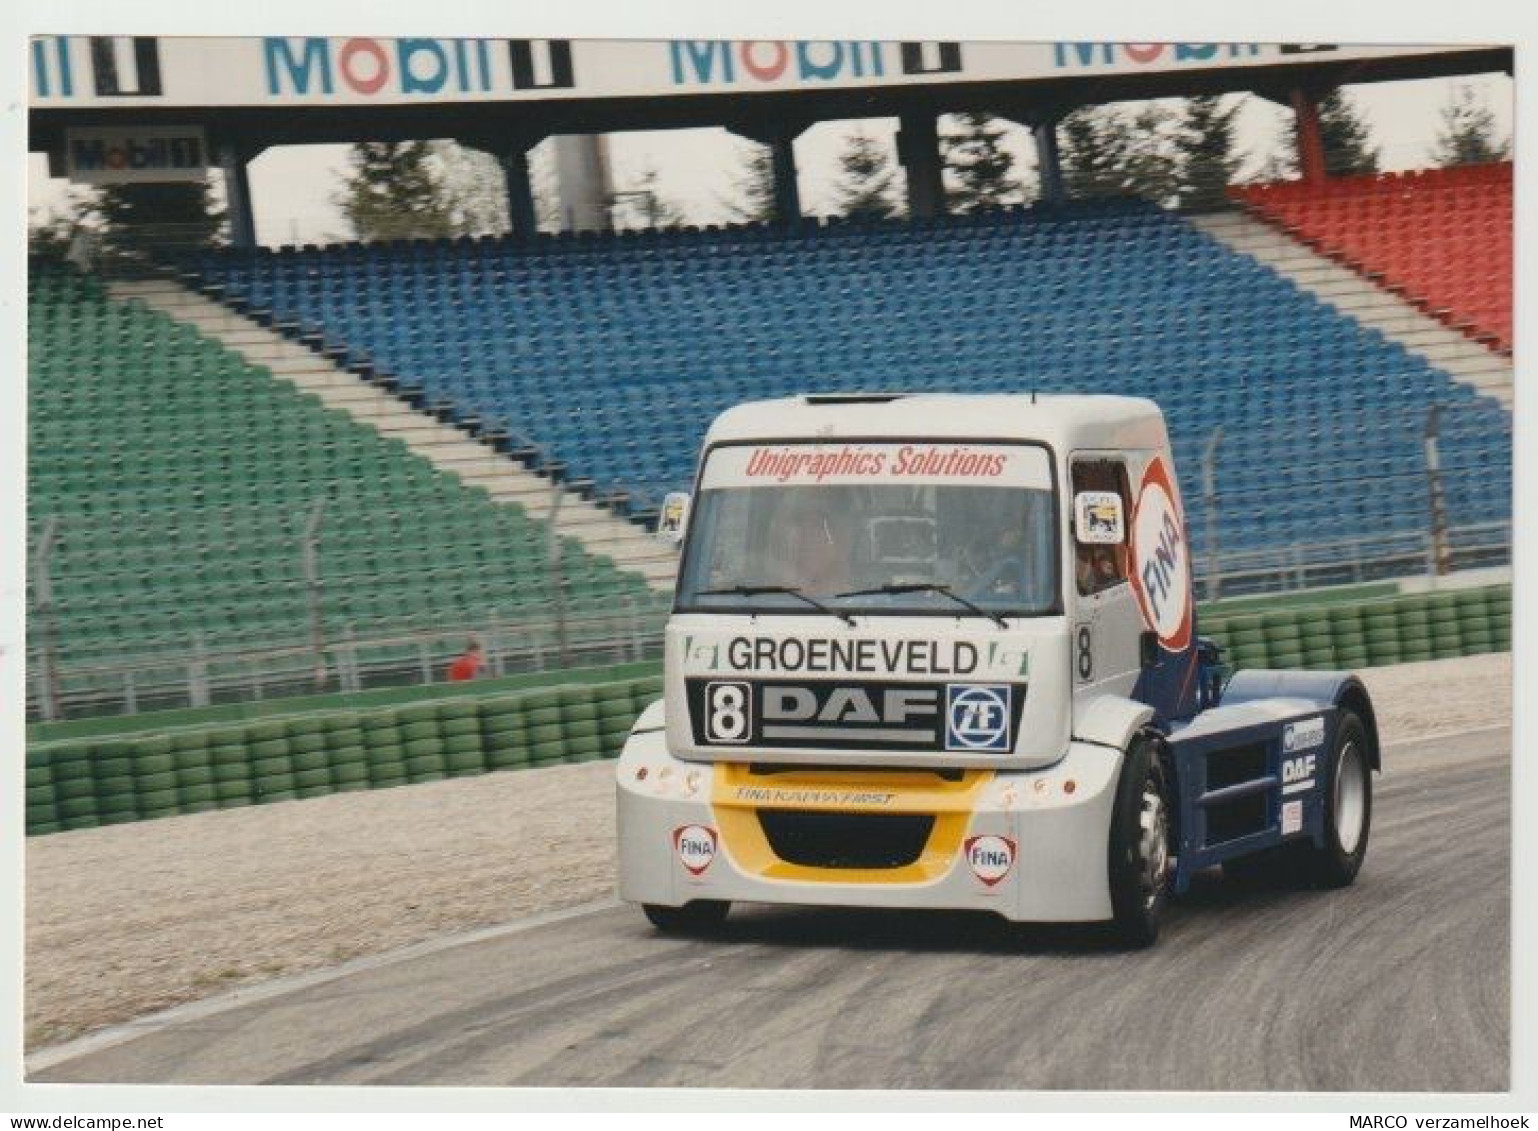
pixel 543 716
pixel 420 731
pixel 350 773
pixel 311 778
pixel 154 783
pixel 231 793
pixel 73 789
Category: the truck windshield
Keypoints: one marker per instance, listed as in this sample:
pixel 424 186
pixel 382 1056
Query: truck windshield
pixel 917 534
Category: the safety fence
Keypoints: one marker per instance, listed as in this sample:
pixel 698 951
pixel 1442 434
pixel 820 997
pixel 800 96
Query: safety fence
pixel 81 783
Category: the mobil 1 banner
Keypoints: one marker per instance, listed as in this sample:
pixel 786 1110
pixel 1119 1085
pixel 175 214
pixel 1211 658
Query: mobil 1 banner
pixel 973 718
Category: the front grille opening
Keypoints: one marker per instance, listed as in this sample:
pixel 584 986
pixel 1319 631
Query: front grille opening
pixel 1230 767
pixel 1234 819
pixel 846 840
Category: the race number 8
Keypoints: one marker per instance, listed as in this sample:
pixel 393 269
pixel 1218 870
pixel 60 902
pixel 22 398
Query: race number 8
pixel 728 712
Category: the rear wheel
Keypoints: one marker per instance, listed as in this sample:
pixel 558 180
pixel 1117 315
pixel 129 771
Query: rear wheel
pixel 1347 811
pixel 692 918
pixel 1140 860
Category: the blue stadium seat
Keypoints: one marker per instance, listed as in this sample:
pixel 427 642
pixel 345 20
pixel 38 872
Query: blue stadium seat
pixel 612 355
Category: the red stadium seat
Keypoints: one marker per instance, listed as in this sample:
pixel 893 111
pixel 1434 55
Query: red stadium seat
pixel 1441 238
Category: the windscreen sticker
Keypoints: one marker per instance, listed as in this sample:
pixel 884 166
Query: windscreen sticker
pixel 780 465
pixel 1161 561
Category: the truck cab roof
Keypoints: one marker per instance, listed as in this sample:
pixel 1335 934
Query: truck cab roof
pixel 1066 423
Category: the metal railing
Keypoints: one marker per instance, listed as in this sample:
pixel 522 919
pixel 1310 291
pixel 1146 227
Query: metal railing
pixel 326 649
pixel 1349 561
pixel 199 676
pixel 190 673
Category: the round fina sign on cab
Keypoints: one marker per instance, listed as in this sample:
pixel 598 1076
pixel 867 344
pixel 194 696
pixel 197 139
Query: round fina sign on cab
pixel 1161 559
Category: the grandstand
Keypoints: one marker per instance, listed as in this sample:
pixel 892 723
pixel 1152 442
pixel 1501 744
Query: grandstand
pixel 182 477
pixel 612 354
pixel 458 406
pixel 1442 238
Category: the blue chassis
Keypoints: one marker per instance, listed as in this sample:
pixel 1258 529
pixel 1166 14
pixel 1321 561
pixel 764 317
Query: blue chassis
pixel 1204 769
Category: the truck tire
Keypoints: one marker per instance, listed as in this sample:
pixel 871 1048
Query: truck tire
pixel 1139 860
pixel 1347 811
pixel 699 917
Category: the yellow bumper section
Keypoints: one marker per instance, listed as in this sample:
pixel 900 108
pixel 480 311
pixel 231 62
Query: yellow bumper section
pixel 738 794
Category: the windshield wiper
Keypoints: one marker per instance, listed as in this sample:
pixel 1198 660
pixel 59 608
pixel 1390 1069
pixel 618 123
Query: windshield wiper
pixel 927 587
pixel 788 590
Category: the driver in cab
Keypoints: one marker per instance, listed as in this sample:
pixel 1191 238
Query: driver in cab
pixel 815 551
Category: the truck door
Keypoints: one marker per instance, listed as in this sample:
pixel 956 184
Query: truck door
pixel 1106 622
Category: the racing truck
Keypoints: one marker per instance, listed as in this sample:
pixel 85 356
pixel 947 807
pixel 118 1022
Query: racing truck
pixel 941 651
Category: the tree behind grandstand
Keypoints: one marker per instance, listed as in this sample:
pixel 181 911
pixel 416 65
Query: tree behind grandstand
pixel 1346 137
pixel 1468 135
pixel 1107 151
pixel 140 219
pixel 1209 156
pixel 645 206
pixel 866 181
pixel 472 188
pixel 393 193
pixel 754 184
pixel 978 169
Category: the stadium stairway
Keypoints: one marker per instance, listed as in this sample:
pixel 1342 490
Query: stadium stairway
pixel 449 449
pixel 1469 362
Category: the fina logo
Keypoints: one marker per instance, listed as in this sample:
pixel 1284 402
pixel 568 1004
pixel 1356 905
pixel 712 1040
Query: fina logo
pixel 977 716
pixel 1161 567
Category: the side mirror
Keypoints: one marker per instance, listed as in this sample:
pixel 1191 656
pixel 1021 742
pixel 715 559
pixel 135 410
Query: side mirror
pixel 1097 518
pixel 673 519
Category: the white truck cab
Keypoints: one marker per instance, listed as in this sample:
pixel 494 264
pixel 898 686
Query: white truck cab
pixel 940 651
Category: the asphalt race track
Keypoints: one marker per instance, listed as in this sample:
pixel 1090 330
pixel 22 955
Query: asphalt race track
pixel 1400 983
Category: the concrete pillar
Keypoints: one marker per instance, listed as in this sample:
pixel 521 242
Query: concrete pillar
pixel 787 188
pixel 1049 166
pixel 582 171
pixel 780 136
pixel 918 150
pixel 1310 139
pixel 521 214
pixel 237 194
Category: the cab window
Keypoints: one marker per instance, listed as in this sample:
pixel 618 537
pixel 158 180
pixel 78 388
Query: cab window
pixel 1101 567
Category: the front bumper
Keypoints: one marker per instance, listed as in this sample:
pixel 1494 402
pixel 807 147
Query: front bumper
pixel 1028 845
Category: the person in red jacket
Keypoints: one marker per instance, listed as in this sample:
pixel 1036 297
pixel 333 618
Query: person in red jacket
pixel 468 664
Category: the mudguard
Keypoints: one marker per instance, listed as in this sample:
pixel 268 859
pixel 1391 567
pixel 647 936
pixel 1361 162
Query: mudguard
pixel 1328 689
pixel 1112 721
pixel 653 718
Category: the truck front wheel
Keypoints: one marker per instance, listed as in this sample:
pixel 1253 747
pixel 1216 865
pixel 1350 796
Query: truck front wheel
pixel 692 918
pixel 1140 846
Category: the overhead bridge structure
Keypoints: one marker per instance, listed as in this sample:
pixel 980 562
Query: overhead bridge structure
pixel 168 107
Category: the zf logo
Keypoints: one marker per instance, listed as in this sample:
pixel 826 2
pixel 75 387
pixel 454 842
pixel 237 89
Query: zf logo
pixel 729 712
pixel 977 716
